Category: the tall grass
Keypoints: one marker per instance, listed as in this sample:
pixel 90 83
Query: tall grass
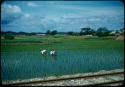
pixel 25 65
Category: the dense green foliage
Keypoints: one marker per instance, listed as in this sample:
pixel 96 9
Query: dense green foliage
pixel 87 31
pixel 70 33
pixel 47 32
pixel 10 37
pixel 54 32
pixel 102 32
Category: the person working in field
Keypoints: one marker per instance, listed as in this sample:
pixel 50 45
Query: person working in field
pixel 53 52
pixel 43 52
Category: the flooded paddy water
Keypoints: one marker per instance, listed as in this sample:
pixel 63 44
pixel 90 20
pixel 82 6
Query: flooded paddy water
pixel 27 65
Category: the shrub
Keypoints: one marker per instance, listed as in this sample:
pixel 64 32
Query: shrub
pixel 10 37
pixel 54 32
pixel 102 32
pixel 70 33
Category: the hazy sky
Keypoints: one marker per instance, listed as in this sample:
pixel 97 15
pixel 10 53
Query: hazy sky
pixel 40 16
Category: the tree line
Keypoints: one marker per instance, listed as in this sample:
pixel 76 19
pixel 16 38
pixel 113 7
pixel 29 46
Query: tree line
pixel 102 31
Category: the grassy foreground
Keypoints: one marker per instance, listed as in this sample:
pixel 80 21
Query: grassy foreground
pixel 37 43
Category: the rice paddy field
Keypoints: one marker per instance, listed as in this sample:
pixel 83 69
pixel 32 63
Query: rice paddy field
pixel 21 58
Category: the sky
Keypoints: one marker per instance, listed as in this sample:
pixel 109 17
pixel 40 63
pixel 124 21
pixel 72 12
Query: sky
pixel 63 16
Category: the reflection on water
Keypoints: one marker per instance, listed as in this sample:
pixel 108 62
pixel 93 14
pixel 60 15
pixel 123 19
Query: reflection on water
pixel 26 65
pixel 43 56
pixel 49 57
pixel 54 57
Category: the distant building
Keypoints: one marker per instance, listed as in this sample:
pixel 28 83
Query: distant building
pixel 113 32
pixel 117 34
